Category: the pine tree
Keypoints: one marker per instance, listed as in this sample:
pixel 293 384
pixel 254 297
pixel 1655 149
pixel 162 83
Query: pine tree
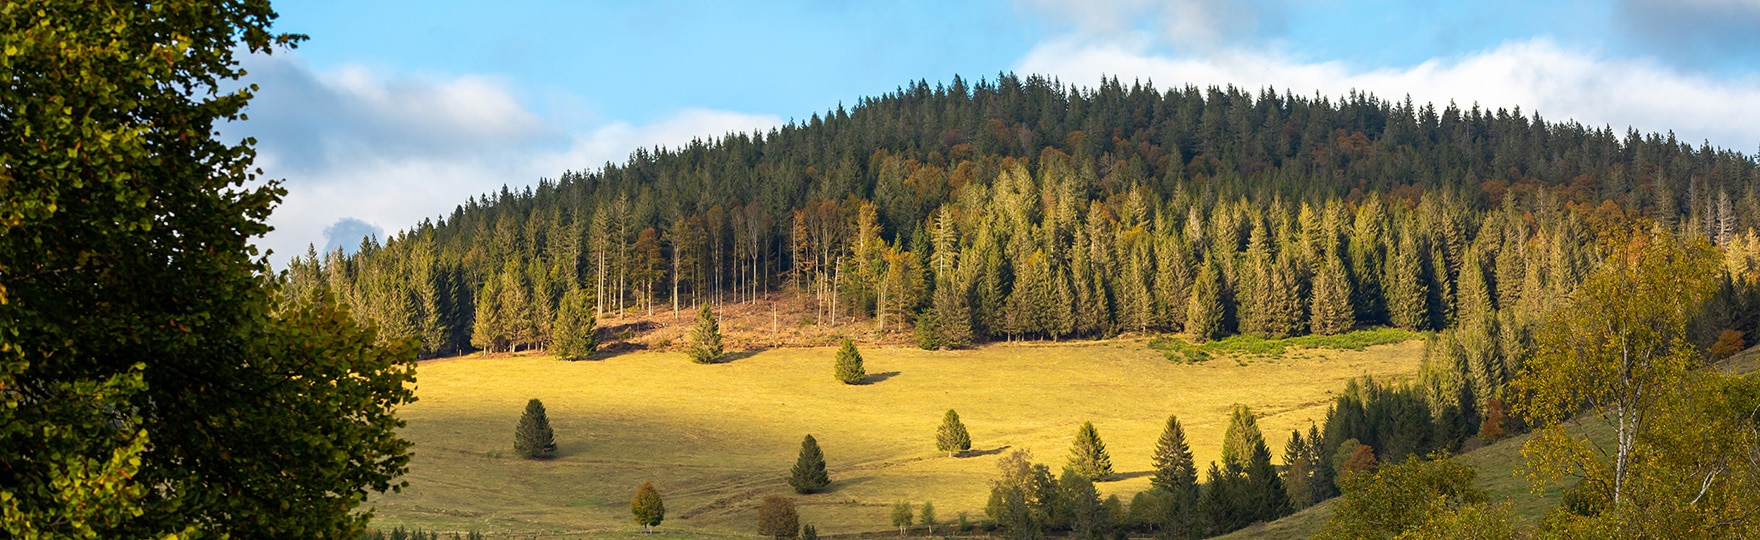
pixel 574 326
pixel 1088 455
pixel 533 438
pixel 1474 298
pixel 808 475
pixel 952 437
pixel 1298 473
pixel 777 518
pixel 849 364
pixel 705 345
pixel 1331 311
pixel 1174 470
pixel 1204 314
pixel 1266 499
pixel 647 508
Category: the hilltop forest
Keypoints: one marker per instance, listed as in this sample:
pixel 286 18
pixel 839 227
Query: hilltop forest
pixel 1023 208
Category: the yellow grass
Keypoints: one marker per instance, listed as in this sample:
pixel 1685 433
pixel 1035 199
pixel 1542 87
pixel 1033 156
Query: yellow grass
pixel 716 439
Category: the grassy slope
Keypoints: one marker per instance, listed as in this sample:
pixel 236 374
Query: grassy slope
pixel 715 439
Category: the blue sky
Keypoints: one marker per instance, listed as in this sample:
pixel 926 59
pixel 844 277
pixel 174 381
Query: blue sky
pixel 396 110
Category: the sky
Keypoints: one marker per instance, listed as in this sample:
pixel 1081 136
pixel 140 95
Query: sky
pixel 398 111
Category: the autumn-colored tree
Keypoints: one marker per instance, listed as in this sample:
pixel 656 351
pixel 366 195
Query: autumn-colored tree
pixel 647 508
pixel 777 518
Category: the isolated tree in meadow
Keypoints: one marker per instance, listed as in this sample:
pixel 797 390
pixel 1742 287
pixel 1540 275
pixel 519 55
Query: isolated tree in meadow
pixel 901 516
pixel 533 438
pixel 574 327
pixel 952 437
pixel 849 364
pixel 777 518
pixel 1088 455
pixel 647 508
pixel 926 518
pixel 808 474
pixel 705 347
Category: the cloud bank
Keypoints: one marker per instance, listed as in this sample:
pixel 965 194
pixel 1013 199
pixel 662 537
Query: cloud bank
pixel 362 153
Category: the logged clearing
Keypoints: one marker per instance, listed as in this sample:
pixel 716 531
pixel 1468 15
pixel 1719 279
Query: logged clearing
pixel 716 439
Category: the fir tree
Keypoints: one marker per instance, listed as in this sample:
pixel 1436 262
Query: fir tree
pixel 927 333
pixel 1266 499
pixel 1474 298
pixel 1241 438
pixel 486 331
pixel 1298 473
pixel 849 364
pixel 1204 313
pixel 1088 455
pixel 1331 311
pixel 808 475
pixel 533 438
pixel 952 437
pixel 705 345
pixel 574 326
pixel 647 508
pixel 953 317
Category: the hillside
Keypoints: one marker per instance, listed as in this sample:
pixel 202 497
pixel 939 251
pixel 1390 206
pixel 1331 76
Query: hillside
pixel 715 439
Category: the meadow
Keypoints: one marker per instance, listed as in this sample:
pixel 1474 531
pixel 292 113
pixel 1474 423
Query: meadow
pixel 715 439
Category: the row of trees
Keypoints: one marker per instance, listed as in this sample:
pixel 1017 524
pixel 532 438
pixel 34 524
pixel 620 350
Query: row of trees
pixel 1024 208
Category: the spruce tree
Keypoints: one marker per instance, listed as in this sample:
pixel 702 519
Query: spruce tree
pixel 1473 300
pixel 952 437
pixel 1266 499
pixel 533 438
pixel 953 317
pixel 705 345
pixel 1407 296
pixel 1241 438
pixel 1331 312
pixel 849 364
pixel 808 475
pixel 1174 470
pixel 486 331
pixel 1204 313
pixel 647 508
pixel 1088 455
pixel 808 532
pixel 574 326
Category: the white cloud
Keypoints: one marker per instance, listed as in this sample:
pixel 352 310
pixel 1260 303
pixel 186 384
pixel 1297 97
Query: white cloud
pixel 352 144
pixel 1536 75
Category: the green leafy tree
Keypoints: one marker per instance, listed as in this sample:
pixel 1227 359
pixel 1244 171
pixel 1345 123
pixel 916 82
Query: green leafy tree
pixel 952 437
pixel 533 438
pixel 901 516
pixel 848 367
pixel 1418 498
pixel 926 518
pixel 1088 455
pixel 647 507
pixel 777 518
pixel 808 474
pixel 154 385
pixel 574 327
pixel 705 347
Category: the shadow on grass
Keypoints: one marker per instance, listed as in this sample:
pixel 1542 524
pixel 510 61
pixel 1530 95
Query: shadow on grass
pixel 876 378
pixel 976 453
pixel 731 357
pixel 1124 476
pixel 616 349
pixel 842 483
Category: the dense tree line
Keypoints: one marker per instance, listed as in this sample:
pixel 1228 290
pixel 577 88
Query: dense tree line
pixel 1024 208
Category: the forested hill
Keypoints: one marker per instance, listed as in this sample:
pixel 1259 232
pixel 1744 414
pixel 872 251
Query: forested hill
pixel 1025 208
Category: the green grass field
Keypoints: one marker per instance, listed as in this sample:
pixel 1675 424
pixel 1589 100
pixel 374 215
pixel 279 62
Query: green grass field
pixel 715 439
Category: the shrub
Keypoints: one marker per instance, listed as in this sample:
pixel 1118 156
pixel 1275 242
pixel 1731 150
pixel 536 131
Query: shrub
pixel 777 518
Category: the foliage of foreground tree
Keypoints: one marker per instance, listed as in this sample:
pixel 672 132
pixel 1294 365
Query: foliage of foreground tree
pixel 1418 499
pixel 1681 463
pixel 647 508
pixel 808 474
pixel 151 382
pixel 534 438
